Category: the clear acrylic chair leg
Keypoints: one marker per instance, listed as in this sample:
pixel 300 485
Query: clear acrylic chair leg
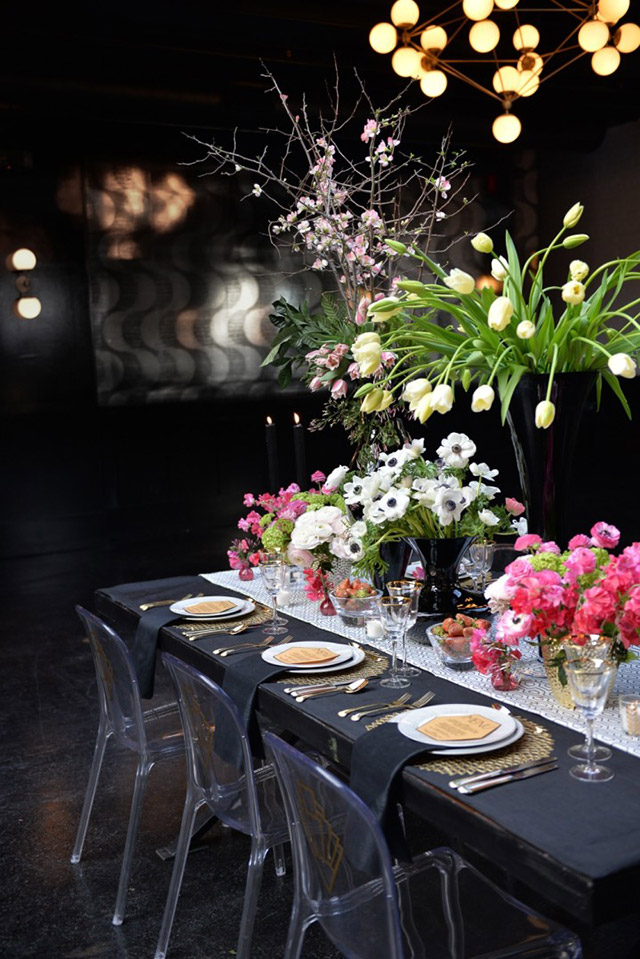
pixel 179 863
pixel 90 795
pixel 142 774
pixel 251 893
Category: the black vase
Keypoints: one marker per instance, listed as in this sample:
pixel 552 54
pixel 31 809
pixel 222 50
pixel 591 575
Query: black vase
pixel 440 595
pixel 396 556
pixel 545 456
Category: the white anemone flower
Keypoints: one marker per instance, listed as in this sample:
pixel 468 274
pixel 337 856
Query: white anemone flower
pixel 354 491
pixel 395 460
pixel 483 470
pixel 415 449
pixel 488 518
pixel 482 489
pixel 457 449
pixel 392 506
pixel 449 505
pixel 520 525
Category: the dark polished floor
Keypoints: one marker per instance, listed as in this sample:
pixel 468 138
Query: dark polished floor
pixel 48 715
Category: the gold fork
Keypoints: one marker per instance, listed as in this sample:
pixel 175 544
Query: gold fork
pixel 374 707
pixel 165 602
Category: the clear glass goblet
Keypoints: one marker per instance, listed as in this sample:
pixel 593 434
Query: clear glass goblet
pixel 480 561
pixel 595 646
pixel 274 576
pixel 394 614
pixel 589 685
pixel 411 588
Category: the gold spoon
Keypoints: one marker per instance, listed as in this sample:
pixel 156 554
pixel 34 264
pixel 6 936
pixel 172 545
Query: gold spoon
pixel 353 687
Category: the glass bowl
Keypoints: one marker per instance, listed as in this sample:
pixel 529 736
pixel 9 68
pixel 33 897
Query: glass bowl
pixel 453 651
pixel 355 610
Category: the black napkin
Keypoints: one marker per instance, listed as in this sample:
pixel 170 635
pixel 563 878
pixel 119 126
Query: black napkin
pixel 143 648
pixel 240 683
pixel 378 757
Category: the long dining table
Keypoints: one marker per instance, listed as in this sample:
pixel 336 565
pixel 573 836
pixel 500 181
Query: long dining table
pixel 575 844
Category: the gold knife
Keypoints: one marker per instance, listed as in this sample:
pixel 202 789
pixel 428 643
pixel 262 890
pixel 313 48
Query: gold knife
pixel 473 788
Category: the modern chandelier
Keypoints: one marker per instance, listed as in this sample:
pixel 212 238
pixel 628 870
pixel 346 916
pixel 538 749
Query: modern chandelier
pixel 469 33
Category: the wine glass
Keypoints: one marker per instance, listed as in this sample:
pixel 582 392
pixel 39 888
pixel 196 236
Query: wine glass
pixel 394 614
pixel 274 577
pixel 574 652
pixel 589 685
pixel 411 588
pixel 480 560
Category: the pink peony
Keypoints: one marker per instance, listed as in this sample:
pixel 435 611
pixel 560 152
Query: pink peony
pixel 528 541
pixel 605 536
pixel 513 506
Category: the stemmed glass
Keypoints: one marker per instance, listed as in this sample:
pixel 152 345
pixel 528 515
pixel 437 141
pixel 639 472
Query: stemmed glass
pixel 480 561
pixel 394 614
pixel 274 577
pixel 577 653
pixel 589 685
pixel 411 588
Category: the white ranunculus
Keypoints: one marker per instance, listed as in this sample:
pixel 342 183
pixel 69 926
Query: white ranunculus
pixel 499 269
pixel 304 537
pixel 578 270
pixel 449 505
pixel 488 518
pixel 442 398
pixel 621 364
pixel 573 292
pixel 482 398
pixel 500 313
pixel 525 330
pixel 460 281
pixel 457 449
pixel 336 477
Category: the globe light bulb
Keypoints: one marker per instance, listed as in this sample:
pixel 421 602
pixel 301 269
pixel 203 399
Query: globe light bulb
pixel 406 62
pixel 27 307
pixel 612 10
pixel 433 38
pixel 529 83
pixel 526 37
pixel 484 36
pixel 627 38
pixel 506 80
pixel 506 4
pixel 530 61
pixel 433 83
pixel 605 62
pixel 21 260
pixel 506 128
pixel 405 13
pixel 593 35
pixel 477 9
pixel 383 37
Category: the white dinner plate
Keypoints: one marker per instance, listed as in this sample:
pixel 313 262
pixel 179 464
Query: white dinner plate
pixel 409 722
pixel 240 608
pixel 343 652
pixel 356 659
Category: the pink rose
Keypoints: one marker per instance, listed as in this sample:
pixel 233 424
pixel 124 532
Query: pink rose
pixel 513 506
pixel 528 541
pixel 605 536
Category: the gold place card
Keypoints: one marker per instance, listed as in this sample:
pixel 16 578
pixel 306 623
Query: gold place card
pixel 305 655
pixel 458 728
pixel 213 606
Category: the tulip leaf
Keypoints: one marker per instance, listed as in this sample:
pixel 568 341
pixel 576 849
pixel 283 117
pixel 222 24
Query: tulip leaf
pixel 617 389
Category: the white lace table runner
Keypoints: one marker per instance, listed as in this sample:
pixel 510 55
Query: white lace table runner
pixel 533 695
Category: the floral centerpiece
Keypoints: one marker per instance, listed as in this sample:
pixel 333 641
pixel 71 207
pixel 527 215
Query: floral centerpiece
pixel 496 338
pixel 342 185
pixel 408 496
pixel 309 528
pixel 555 596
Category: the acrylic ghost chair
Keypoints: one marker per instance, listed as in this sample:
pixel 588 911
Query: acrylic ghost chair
pixel 221 775
pixel 438 905
pixel 154 734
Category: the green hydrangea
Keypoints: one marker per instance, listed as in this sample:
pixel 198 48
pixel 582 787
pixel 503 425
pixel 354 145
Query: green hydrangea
pixel 278 535
pixel 547 561
pixel 318 500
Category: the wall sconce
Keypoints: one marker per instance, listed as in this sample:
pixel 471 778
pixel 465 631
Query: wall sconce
pixel 22 261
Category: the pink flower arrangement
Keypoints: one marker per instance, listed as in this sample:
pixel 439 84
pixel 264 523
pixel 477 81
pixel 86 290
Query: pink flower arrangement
pixel 554 596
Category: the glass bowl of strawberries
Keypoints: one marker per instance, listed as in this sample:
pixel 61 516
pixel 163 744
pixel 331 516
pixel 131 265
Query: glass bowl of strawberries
pixel 451 639
pixel 354 601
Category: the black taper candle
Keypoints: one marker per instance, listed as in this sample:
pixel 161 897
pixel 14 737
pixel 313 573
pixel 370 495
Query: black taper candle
pixel 300 452
pixel 272 454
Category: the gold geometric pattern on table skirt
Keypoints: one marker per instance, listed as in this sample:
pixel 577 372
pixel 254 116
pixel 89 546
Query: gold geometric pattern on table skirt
pixel 536 743
pixel 373 664
pixel 261 614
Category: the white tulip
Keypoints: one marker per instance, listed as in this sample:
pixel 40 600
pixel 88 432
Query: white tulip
pixel 525 330
pixel 414 391
pixel 545 414
pixel 499 269
pixel 442 398
pixel 482 399
pixel 573 292
pixel 578 270
pixel 621 364
pixel 482 243
pixel 500 313
pixel 573 215
pixel 460 281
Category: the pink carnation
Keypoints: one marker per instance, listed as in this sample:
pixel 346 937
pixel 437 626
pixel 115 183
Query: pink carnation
pixel 605 536
pixel 528 541
pixel 514 506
